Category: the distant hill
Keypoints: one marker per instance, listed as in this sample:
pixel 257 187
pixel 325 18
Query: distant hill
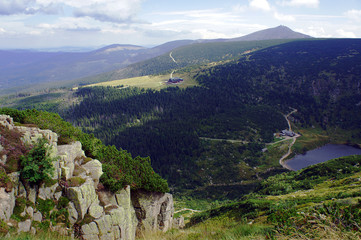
pixel 25 70
pixel 280 32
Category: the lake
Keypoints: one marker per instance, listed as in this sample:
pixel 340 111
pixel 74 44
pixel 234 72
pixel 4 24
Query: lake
pixel 322 154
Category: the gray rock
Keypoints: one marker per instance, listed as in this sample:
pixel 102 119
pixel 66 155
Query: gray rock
pixel 30 211
pixel 24 226
pixel 7 121
pixel 154 210
pixel 21 190
pixel 83 197
pixel 178 222
pixel 68 153
pixel 32 195
pixel 47 192
pixel 108 236
pixel 14 178
pixel 7 204
pixel 73 214
pixel 57 195
pixel 95 210
pixel 38 217
pixel 117 232
pixel 90 237
pixel 94 169
pixel 90 229
pixel 104 224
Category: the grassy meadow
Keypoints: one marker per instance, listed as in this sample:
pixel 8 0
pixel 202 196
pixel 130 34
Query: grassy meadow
pixel 156 82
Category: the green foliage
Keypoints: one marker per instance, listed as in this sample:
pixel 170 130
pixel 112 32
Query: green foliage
pixel 37 165
pixel 75 181
pixel 45 207
pixel 137 172
pixel 308 177
pixel 20 204
pixel 4 228
pixel 62 202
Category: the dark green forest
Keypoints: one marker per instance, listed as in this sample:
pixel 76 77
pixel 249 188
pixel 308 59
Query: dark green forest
pixel 181 130
pixel 242 100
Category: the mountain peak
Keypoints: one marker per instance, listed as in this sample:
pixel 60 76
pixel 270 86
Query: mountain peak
pixel 280 32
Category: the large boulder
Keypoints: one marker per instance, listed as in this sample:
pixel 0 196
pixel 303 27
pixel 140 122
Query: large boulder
pixel 154 210
pixel 67 154
pixel 94 169
pixel 83 197
pixel 7 204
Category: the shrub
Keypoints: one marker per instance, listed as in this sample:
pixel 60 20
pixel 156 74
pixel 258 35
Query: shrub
pixel 136 172
pixel 37 166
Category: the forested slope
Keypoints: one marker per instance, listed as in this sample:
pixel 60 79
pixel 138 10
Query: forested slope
pixel 242 100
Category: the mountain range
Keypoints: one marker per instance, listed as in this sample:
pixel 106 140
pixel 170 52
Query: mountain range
pixel 24 70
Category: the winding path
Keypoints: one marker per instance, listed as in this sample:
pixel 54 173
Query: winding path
pixel 282 163
pixel 170 55
pixel 185 209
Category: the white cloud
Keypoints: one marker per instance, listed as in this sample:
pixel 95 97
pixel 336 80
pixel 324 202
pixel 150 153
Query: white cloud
pixel 260 4
pixel 71 24
pixel 239 8
pixel 344 34
pixel 101 10
pixel 2 31
pixel 354 14
pixel 282 17
pixel 9 7
pixel 315 31
pixel 300 3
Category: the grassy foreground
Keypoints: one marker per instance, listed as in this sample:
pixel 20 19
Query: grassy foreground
pixel 319 202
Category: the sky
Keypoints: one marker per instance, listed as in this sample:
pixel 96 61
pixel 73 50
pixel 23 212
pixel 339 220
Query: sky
pixel 39 24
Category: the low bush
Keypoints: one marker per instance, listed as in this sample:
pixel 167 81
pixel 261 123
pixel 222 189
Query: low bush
pixel 37 166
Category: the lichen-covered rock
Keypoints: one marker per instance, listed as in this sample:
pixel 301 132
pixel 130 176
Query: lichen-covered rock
pixel 7 204
pixel 47 192
pixel 68 154
pixel 90 229
pixel 116 220
pixel 73 214
pixel 94 169
pixel 178 222
pixel 83 197
pixel 24 226
pixel 154 210
pixel 7 121
pixel 31 194
pixel 104 225
pixel 90 237
pixel 38 217
pixel 30 211
pixel 95 210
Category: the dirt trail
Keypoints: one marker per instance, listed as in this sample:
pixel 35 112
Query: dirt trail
pixel 185 209
pixel 170 55
pixel 282 163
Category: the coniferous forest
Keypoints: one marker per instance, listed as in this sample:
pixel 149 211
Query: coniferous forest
pixel 245 100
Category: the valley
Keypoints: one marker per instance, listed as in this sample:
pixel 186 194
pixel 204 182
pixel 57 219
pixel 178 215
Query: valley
pixel 211 138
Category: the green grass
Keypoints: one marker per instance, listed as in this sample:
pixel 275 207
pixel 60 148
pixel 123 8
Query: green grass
pixel 156 82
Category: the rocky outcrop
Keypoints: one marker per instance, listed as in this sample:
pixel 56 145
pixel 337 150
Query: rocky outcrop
pixel 7 204
pixel 99 214
pixel 154 210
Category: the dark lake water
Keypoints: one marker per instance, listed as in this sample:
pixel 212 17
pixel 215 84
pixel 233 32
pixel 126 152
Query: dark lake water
pixel 322 154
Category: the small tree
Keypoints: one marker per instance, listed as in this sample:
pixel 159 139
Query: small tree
pixel 37 166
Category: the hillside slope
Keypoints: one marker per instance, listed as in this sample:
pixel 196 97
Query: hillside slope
pixel 241 100
pixel 319 202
